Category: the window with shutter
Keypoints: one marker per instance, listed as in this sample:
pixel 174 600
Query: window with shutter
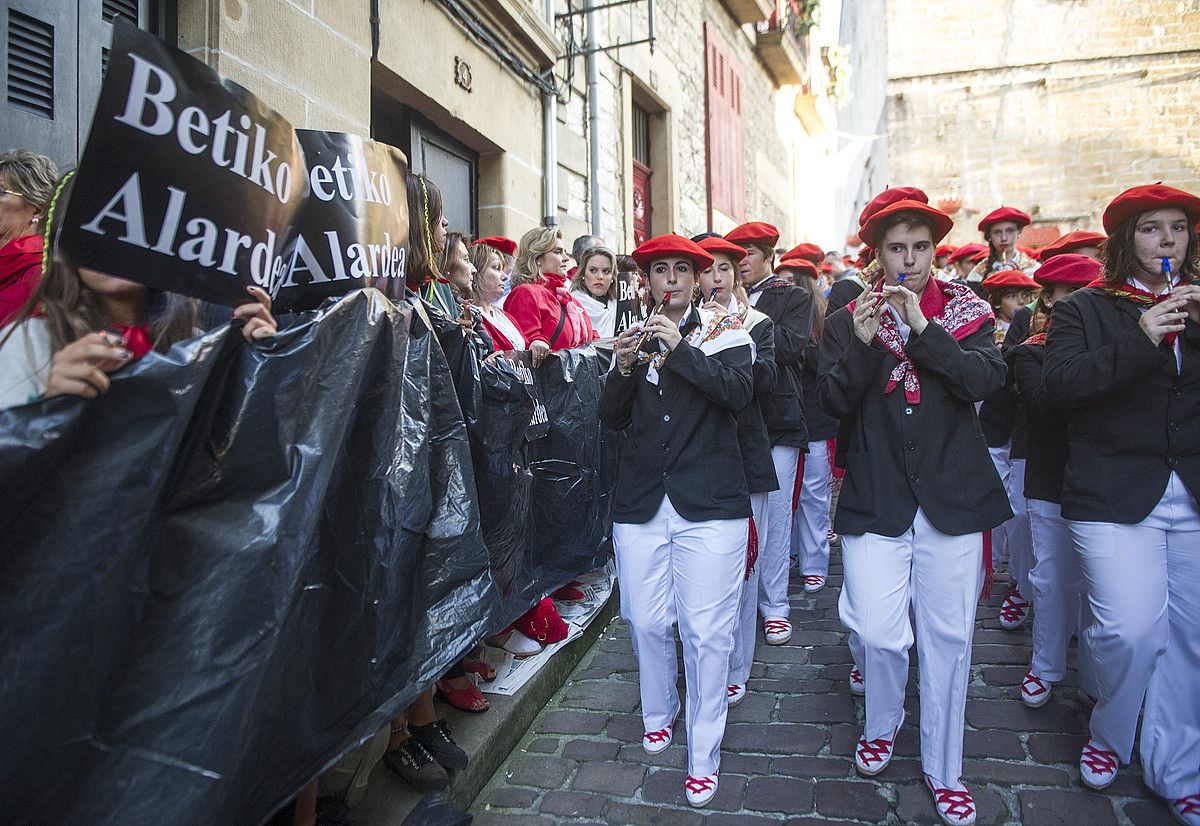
pixel 30 64
pixel 725 132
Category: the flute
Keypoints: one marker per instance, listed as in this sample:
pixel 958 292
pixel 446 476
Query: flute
pixel 1166 271
pixel 899 280
pixel 645 333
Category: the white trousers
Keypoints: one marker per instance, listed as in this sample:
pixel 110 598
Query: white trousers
pixel 810 528
pixel 1058 594
pixel 673 570
pixel 746 633
pixel 1143 586
pixel 774 543
pixel 940 576
pixel 1013 537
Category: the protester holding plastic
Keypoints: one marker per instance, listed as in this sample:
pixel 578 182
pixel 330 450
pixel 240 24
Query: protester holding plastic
pixel 547 314
pixel 80 325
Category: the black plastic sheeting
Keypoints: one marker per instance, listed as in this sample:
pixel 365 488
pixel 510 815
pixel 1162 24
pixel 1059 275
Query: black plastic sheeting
pixel 239 563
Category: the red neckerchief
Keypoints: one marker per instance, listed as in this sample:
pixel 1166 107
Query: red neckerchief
pixel 1139 297
pixel 771 282
pixel 952 306
pixel 137 338
pixel 1036 338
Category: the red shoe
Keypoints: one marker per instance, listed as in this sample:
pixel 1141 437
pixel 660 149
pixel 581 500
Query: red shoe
pixel 1013 610
pixel 570 593
pixel 485 671
pixel 1187 809
pixel 954 807
pixel 465 699
pixel 1035 692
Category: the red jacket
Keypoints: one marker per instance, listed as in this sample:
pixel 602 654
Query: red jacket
pixel 536 309
pixel 20 269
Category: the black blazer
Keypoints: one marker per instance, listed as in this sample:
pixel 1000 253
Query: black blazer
pixel 1134 417
pixel 1045 425
pixel 902 455
pixel 842 293
pixel 999 413
pixel 821 426
pixel 681 438
pixel 790 308
pixel 753 439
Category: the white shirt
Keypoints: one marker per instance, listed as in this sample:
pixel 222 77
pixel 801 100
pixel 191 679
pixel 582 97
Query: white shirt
pixel 504 322
pixel 24 362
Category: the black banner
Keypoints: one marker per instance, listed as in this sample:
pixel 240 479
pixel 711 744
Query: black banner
pixel 353 228
pixel 240 562
pixel 189 183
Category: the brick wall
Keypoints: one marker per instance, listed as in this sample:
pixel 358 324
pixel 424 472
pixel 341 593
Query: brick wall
pixel 1053 106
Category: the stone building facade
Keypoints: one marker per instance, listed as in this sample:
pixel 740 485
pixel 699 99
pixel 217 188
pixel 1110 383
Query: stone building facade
pixel 459 86
pixel 1052 106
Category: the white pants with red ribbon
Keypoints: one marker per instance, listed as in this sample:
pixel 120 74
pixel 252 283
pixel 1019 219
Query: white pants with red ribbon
pixel 1143 587
pixel 746 633
pixel 775 542
pixel 939 576
pixel 1013 538
pixel 810 530
pixel 1059 597
pixel 691 573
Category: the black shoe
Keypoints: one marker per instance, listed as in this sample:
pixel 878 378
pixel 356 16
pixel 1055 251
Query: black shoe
pixel 436 738
pixel 416 766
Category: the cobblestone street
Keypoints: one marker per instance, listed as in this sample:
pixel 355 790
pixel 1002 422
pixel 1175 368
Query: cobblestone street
pixel 787 754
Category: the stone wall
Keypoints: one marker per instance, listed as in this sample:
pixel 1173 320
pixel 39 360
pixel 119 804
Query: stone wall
pixel 1053 106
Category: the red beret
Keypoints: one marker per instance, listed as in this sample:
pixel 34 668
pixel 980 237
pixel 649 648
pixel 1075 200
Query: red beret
pixel 940 220
pixel 1070 242
pixel 1068 268
pixel 888 197
pixel 799 264
pixel 671 246
pixel 1008 278
pixel 966 250
pixel 944 249
pixel 754 232
pixel 1004 214
pixel 717 244
pixel 1146 198
pixel 499 243
pixel 979 256
pixel 806 251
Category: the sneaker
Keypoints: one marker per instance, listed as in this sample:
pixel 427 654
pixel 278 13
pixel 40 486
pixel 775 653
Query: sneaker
pixel 736 694
pixel 1013 610
pixel 813 583
pixel 1035 692
pixel 1187 809
pixel 858 686
pixel 777 631
pixel 1097 767
pixel 872 756
pixel 416 766
pixel 435 737
pixel 657 741
pixel 700 790
pixel 955 807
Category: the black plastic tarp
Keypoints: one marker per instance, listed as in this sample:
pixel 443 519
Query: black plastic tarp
pixel 231 568
pixel 239 563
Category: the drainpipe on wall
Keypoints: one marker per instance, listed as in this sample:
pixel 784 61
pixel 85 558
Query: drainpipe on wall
pixel 550 142
pixel 593 96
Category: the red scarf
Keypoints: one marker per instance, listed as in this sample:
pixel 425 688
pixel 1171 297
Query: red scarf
pixel 771 282
pixel 1036 338
pixel 1138 297
pixel 137 338
pixel 954 307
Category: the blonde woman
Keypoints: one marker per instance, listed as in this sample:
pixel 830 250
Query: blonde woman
pixel 548 317
pixel 595 288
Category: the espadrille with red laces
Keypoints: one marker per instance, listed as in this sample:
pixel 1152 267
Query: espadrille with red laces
pixel 657 741
pixel 955 807
pixel 813 583
pixel 1035 692
pixel 700 790
pixel 1013 610
pixel 777 631
pixel 1187 809
pixel 1097 767
pixel 872 756
pixel 858 686
pixel 735 694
